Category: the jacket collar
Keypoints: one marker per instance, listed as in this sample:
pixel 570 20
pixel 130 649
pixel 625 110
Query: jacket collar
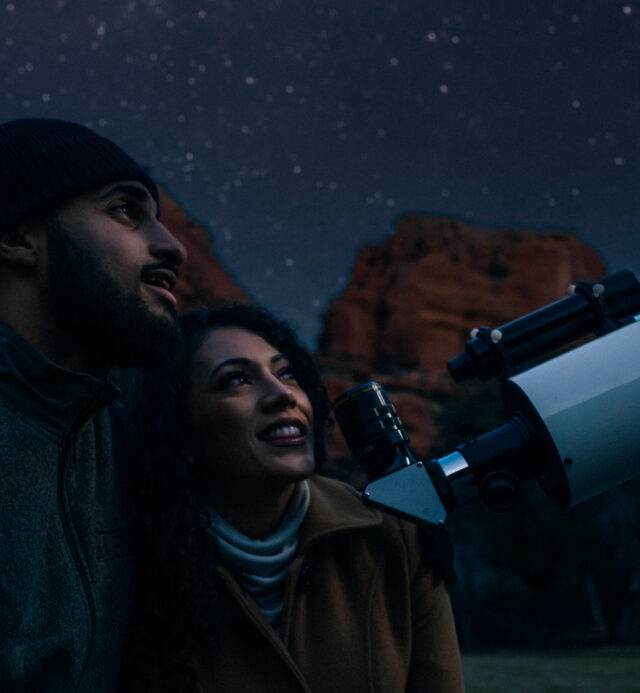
pixel 334 508
pixel 53 398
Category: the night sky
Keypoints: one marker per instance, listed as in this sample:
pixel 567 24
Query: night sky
pixel 298 130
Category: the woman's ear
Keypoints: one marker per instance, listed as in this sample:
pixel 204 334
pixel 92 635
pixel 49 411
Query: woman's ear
pixel 22 244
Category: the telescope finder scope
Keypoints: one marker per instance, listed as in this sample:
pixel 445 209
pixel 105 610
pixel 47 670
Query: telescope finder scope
pixel 591 308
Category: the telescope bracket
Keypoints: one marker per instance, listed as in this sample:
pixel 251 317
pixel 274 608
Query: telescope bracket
pixel 595 294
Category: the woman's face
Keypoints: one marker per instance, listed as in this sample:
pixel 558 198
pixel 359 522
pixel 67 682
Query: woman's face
pixel 251 420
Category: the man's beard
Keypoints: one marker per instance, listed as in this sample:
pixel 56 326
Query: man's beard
pixel 90 308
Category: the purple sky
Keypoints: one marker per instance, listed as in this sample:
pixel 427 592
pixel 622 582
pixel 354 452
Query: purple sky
pixel 297 131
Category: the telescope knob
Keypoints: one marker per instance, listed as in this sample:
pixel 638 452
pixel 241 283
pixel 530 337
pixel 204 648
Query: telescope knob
pixel 465 430
pixel 500 490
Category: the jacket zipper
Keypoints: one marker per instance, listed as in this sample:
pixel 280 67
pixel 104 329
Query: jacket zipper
pixel 69 451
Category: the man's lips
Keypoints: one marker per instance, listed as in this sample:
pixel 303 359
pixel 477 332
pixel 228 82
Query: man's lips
pixel 161 281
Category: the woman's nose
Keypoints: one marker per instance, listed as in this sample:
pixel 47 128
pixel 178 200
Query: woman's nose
pixel 277 395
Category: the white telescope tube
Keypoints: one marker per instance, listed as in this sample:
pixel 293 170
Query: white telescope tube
pixel 585 406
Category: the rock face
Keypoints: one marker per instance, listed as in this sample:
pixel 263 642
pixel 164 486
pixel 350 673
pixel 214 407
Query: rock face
pixel 413 299
pixel 203 281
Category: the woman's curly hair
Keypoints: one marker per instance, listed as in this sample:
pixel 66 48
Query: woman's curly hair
pixel 176 594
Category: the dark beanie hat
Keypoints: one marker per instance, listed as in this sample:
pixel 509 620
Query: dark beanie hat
pixel 43 162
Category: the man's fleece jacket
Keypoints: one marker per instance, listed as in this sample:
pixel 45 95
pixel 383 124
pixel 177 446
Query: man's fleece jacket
pixel 65 561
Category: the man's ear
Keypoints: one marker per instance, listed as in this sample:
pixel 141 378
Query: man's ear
pixel 22 244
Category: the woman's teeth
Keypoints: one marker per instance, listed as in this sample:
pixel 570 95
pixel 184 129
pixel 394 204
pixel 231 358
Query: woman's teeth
pixel 283 432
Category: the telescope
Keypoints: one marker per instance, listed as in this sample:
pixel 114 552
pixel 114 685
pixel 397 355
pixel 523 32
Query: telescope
pixel 573 418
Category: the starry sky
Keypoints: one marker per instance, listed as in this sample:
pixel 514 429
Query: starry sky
pixel 298 130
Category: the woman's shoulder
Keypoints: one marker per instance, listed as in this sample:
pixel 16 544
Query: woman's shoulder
pixel 336 504
pixel 340 503
pixel 328 485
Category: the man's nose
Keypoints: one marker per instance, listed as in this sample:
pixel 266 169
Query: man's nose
pixel 165 245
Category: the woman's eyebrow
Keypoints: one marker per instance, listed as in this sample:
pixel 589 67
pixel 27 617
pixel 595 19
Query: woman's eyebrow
pixel 237 361
pixel 241 361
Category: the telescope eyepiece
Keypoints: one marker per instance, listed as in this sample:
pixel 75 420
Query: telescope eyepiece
pixel 372 429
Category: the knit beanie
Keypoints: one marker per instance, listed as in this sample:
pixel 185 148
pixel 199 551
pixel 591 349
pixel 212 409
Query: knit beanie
pixel 44 162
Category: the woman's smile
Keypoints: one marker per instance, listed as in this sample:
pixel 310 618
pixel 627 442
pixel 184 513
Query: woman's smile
pixel 284 432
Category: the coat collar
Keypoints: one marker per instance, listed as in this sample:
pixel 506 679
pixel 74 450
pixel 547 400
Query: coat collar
pixel 334 508
pixel 53 398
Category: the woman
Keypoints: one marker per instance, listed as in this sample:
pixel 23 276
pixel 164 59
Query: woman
pixel 260 575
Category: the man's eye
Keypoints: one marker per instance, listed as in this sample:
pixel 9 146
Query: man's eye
pixel 131 210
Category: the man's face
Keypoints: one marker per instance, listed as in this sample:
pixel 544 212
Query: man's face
pixel 110 271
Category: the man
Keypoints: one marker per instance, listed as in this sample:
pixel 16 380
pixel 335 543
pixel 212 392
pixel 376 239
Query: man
pixel 86 278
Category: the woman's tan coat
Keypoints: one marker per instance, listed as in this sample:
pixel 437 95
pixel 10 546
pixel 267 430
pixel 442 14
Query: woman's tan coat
pixel 361 614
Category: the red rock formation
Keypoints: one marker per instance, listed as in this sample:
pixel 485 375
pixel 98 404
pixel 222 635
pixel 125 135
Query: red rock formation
pixel 413 299
pixel 203 281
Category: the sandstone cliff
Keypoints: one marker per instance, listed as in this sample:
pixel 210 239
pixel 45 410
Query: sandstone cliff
pixel 413 299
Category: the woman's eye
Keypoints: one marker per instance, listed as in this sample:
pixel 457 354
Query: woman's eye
pixel 122 209
pixel 233 379
pixel 287 374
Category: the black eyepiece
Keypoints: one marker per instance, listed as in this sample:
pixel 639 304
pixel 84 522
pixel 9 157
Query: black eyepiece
pixel 371 427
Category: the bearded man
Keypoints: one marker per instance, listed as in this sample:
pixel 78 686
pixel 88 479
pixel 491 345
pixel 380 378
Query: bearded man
pixel 86 277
